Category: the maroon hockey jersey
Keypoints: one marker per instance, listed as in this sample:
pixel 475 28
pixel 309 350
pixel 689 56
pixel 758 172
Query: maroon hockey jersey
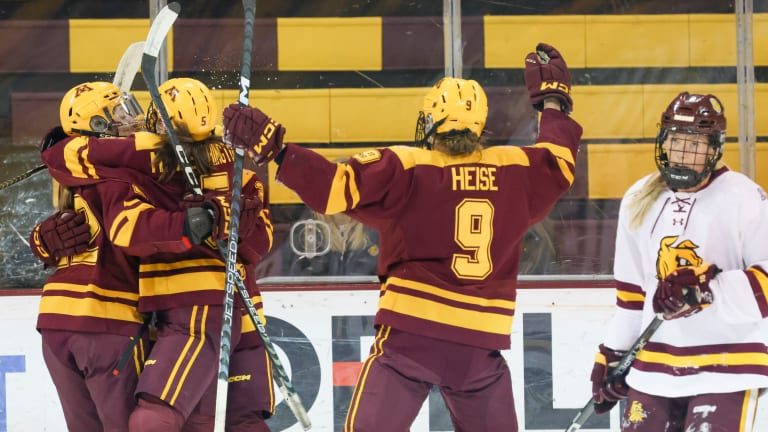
pixel 450 227
pixel 145 218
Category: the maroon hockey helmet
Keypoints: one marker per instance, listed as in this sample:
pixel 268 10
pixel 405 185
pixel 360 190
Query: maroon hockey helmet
pixel 691 114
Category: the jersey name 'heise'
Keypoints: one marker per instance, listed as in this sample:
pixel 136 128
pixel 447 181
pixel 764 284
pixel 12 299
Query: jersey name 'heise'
pixel 474 178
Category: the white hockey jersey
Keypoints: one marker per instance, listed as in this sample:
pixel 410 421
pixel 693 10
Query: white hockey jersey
pixel 723 348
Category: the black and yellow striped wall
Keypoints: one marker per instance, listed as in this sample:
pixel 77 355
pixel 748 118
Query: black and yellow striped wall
pixel 343 84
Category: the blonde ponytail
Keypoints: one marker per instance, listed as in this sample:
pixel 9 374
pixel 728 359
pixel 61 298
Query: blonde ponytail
pixel 641 201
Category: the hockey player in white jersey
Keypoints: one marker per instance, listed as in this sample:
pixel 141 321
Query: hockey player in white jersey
pixel 692 245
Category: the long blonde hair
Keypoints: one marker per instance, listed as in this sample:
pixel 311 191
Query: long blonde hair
pixel 641 201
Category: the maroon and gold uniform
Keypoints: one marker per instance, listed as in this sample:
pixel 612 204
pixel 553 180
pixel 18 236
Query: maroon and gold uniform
pixel 450 227
pixel 182 283
pixel 450 230
pixel 87 317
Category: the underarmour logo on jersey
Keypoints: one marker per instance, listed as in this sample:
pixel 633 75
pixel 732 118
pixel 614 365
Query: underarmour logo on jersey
pixel 678 222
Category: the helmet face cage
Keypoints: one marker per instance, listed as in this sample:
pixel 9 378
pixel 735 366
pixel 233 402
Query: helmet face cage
pixel 425 130
pixel 125 115
pixel 98 109
pixel 690 121
pixel 696 155
pixel 454 106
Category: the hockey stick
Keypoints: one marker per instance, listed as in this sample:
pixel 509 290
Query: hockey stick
pixel 129 349
pixel 624 364
pixel 149 61
pixel 283 381
pixel 128 66
pixel 20 177
pixel 166 17
pixel 126 71
pixel 222 384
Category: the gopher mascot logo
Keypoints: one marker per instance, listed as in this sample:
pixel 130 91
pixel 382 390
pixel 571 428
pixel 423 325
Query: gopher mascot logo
pixel 672 257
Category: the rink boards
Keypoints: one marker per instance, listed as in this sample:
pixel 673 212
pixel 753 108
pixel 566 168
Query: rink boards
pixel 323 335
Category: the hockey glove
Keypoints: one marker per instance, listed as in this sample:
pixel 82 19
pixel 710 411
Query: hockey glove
pixel 249 128
pixel 684 292
pixel 547 75
pixel 198 224
pixel 607 390
pixel 56 134
pixel 219 205
pixel 218 208
pixel 64 233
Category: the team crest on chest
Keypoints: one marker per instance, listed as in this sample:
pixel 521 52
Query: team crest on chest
pixel 674 256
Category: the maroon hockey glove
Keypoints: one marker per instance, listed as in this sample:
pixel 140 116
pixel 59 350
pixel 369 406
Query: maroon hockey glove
pixel 249 128
pixel 62 234
pixel 684 292
pixel 547 75
pixel 250 207
pixel 607 391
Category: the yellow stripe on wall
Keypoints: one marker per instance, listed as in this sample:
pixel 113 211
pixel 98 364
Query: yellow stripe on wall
pixel 96 45
pixel 609 41
pixel 376 115
pixel 508 39
pixel 329 44
pixel 613 168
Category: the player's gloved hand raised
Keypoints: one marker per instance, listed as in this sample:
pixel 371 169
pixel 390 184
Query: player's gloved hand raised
pixel 250 128
pixel 64 233
pixel 546 75
pixel 685 291
pixel 607 390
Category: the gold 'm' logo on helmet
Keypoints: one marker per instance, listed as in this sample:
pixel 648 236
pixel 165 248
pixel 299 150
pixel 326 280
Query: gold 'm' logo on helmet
pixel 82 89
pixel 172 92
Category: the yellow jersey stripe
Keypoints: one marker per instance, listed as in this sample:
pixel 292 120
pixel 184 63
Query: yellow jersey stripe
pixel 450 295
pixel 89 307
pixel 701 360
pixel 430 310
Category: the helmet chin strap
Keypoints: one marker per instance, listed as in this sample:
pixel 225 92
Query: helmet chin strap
pixel 683 178
pixel 90 133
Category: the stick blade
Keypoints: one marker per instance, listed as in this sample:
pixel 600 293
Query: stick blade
pixel 160 27
pixel 128 66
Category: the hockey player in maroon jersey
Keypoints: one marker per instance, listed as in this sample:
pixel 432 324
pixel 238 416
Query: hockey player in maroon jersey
pixel 691 246
pixel 181 273
pixel 88 309
pixel 451 215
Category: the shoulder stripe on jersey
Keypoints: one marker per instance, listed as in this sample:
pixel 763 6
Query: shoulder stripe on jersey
pixel 344 182
pixel 76 158
pixel 564 159
pixel 147 141
pixel 122 228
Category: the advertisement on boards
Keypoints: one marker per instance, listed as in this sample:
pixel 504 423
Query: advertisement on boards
pixel 322 338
